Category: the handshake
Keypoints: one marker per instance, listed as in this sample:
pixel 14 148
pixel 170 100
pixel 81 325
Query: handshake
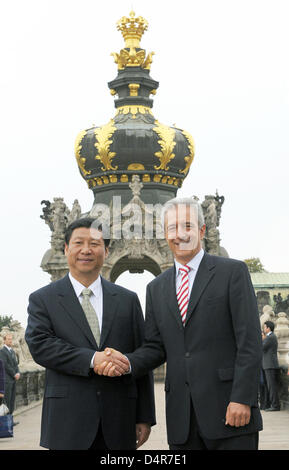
pixel 110 363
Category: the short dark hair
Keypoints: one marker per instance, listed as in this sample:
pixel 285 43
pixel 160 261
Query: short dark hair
pixel 86 222
pixel 269 324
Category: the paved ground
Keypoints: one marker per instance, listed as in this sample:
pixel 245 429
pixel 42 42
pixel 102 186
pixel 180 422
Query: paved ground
pixel 275 435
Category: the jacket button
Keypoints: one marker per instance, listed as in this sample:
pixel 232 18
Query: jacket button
pixel 98 393
pixel 187 354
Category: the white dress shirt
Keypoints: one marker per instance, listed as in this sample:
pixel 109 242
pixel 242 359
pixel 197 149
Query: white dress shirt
pixel 194 265
pixel 96 299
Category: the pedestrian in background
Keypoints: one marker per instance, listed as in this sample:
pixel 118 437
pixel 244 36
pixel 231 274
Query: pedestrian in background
pixel 271 365
pixel 12 374
pixel 2 381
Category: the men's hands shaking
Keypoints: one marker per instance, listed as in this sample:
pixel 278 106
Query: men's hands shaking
pixel 110 363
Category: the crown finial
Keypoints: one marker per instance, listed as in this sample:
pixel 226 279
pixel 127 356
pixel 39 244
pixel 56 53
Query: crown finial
pixel 132 29
pixel 132 55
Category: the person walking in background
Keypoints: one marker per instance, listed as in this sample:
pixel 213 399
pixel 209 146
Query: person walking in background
pixel 2 380
pixel 12 374
pixel 271 365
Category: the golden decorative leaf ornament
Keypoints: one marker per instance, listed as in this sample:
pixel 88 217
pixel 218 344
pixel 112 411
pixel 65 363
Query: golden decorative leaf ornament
pixel 103 135
pixel 189 158
pixel 80 160
pixel 167 144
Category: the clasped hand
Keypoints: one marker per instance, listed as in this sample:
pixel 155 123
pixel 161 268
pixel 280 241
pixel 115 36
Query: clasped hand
pixel 110 363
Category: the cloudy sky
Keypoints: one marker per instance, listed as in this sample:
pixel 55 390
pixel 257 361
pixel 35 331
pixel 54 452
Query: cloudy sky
pixel 224 77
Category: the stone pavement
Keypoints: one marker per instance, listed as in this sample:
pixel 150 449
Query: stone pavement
pixel 275 435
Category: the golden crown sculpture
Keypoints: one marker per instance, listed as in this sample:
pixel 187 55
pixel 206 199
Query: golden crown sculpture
pixel 132 55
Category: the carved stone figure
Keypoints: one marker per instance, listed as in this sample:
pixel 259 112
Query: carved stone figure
pixel 280 304
pixel 57 216
pixel 267 315
pixel 75 212
pixel 212 212
pixel 282 333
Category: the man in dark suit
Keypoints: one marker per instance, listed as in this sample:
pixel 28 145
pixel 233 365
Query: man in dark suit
pixel 12 374
pixel 2 380
pixel 202 319
pixel 271 365
pixel 70 322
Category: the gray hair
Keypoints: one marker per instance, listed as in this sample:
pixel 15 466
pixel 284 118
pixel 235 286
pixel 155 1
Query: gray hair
pixel 184 201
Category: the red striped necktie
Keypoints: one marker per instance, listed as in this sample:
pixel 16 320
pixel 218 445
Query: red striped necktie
pixel 183 292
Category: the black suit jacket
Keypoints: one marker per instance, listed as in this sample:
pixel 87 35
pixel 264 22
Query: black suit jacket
pixel 216 358
pixel 75 399
pixel 10 364
pixel 2 377
pixel 270 348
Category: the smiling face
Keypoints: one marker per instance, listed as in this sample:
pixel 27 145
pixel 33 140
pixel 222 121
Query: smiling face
pixel 85 254
pixel 182 232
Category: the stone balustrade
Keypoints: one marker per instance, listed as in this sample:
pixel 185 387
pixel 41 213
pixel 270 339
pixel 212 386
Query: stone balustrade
pixel 30 387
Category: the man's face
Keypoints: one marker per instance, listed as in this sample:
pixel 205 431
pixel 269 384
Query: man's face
pixel 8 341
pixel 266 329
pixel 182 232
pixel 85 252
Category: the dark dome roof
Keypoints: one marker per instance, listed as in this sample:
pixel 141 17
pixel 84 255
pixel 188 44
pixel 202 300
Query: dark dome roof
pixel 134 142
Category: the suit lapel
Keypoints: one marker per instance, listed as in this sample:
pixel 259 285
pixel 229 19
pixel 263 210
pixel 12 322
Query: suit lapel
pixel 109 309
pixel 204 274
pixel 171 296
pixel 69 301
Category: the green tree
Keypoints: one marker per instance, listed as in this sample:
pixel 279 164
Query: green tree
pixel 5 321
pixel 254 265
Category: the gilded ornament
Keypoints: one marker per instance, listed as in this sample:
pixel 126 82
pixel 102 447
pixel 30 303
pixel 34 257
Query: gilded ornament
pixel 135 166
pixel 157 178
pixel 124 179
pixel 103 135
pixel 80 160
pixel 105 179
pixel 133 89
pixel 146 178
pixel 167 144
pixel 132 30
pixel 188 159
pixel 134 110
pixel 113 178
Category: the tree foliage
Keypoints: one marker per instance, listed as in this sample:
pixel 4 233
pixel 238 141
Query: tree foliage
pixel 254 265
pixel 5 320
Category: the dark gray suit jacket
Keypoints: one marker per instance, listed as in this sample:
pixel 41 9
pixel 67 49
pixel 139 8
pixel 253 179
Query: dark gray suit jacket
pixel 215 359
pixel 2 377
pixel 270 347
pixel 75 399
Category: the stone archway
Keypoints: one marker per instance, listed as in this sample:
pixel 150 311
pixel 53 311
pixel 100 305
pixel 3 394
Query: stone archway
pixel 134 266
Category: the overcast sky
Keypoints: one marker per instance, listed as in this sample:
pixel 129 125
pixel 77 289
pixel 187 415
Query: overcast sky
pixel 223 71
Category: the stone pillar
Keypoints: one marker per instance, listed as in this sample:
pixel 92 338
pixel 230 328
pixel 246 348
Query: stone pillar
pixel 282 333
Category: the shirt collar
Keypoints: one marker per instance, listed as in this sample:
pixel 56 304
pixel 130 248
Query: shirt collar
pixel 9 349
pixel 78 287
pixel 194 263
